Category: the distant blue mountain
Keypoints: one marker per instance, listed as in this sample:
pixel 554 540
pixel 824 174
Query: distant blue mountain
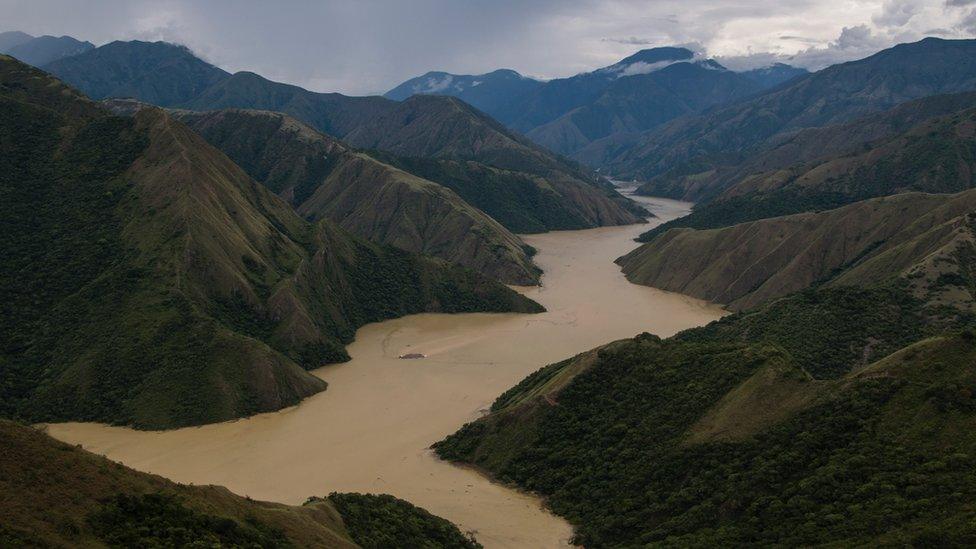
pixel 775 74
pixel 637 93
pixel 493 93
pixel 41 50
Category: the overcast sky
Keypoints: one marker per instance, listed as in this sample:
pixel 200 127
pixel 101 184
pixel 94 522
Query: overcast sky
pixel 368 46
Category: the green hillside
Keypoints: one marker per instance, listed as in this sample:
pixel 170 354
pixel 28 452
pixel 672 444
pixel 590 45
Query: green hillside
pixel 147 280
pixel 925 237
pixel 446 128
pixel 323 178
pixel 701 441
pixel 56 495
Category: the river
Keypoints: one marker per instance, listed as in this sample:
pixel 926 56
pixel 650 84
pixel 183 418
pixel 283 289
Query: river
pixel 370 431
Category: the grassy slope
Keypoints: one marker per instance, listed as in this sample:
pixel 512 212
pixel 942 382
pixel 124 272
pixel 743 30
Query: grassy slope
pixel 323 179
pixel 750 263
pixel 56 495
pixel 446 128
pixel 149 281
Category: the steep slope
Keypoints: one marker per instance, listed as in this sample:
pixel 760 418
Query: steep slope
pixel 916 235
pixel 672 155
pixel 494 93
pixel 55 495
pixel 707 443
pixel 916 146
pixel 640 102
pixel 324 179
pixel 155 72
pixel 440 127
pixel 447 128
pixel 45 49
pixel 147 280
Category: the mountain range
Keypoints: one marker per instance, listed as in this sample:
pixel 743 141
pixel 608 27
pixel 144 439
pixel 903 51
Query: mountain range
pixel 167 287
pixel 186 255
pixel 462 147
pixel 40 50
pixel 322 178
pixel 494 93
pixel 680 158
pixel 831 407
pixel 635 94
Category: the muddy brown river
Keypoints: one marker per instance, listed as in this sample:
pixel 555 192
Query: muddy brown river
pixel 370 431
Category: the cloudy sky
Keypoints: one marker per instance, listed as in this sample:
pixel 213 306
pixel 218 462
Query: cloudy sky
pixel 368 46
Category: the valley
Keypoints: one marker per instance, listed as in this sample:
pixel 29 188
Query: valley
pixel 371 430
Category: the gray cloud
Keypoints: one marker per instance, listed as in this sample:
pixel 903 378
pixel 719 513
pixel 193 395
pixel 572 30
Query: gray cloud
pixel 368 46
pixel 896 13
pixel 632 41
pixel 968 23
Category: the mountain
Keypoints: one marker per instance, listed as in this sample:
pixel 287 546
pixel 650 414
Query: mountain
pixel 676 155
pixel 56 495
pixel 122 71
pixel 774 75
pixel 45 49
pixel 332 113
pixel 924 237
pixel 155 72
pixel 324 179
pixel 634 101
pixel 10 39
pixel 437 127
pixel 147 280
pixel 561 95
pixel 923 145
pixel 493 93
pixel 695 441
pixel 573 115
pixel 848 367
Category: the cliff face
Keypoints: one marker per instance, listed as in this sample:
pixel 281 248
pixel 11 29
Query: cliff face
pixel 324 179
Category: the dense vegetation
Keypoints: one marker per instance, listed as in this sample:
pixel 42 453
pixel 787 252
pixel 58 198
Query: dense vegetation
pixel 147 280
pixel 381 521
pixel 828 331
pixel 56 495
pixel 161 520
pixel 878 455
